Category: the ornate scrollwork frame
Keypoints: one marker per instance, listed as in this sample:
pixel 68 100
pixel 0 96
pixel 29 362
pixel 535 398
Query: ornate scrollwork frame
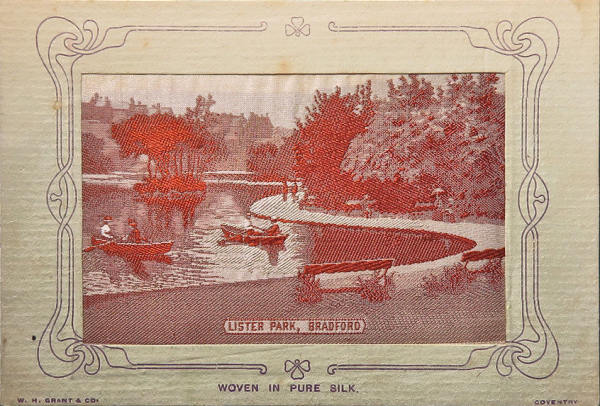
pixel 60 44
pixel 61 351
pixel 534 351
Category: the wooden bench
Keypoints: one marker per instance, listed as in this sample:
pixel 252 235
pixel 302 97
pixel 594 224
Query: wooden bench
pixel 490 253
pixel 374 289
pixel 493 257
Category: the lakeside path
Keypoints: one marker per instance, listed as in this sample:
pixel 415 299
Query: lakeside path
pixel 485 236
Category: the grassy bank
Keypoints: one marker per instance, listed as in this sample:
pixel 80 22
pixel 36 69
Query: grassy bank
pixel 196 315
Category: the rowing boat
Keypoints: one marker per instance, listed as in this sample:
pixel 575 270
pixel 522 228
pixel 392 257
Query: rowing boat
pixel 233 233
pixel 251 236
pixel 129 249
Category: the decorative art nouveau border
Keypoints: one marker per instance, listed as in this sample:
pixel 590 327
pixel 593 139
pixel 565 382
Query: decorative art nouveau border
pixel 61 43
pixel 534 44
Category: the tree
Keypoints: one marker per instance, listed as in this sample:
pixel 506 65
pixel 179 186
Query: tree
pixel 262 161
pixel 452 138
pixel 207 143
pixel 473 122
pixel 329 126
pixel 387 158
pixel 155 136
pixel 285 157
pixel 387 150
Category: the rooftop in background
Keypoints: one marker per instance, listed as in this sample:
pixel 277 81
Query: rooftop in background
pixel 283 96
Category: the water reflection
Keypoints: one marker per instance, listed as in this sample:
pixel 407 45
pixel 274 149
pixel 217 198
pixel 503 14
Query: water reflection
pixel 197 257
pixel 200 256
pixel 272 250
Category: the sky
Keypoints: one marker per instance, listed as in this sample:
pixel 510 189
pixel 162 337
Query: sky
pixel 283 97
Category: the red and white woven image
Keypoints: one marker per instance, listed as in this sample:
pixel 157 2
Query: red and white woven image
pixel 293 208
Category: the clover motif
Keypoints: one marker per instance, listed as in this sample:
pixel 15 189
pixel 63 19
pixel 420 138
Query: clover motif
pixel 297 368
pixel 297 27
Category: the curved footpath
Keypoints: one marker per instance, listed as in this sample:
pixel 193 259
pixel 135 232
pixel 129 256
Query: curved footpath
pixel 485 236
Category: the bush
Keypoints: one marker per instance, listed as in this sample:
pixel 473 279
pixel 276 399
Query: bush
pixel 373 290
pixel 454 280
pixel 494 273
pixel 310 290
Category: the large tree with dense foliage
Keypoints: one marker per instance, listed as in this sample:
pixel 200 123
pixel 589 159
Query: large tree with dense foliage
pixel 323 137
pixel 452 139
pixel 176 147
pixel 473 122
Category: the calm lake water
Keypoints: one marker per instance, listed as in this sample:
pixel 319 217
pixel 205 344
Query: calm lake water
pixel 200 256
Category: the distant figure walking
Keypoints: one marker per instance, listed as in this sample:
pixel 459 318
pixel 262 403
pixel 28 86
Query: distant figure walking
pixel 365 204
pixel 105 230
pixel 285 190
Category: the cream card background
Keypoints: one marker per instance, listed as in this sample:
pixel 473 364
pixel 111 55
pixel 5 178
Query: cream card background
pixel 568 164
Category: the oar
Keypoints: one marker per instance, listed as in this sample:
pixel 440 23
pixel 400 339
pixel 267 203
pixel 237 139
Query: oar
pixel 91 248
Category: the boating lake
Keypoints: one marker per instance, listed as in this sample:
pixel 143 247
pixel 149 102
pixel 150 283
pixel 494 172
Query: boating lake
pixel 200 255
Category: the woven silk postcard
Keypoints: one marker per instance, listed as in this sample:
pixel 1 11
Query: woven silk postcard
pixel 299 203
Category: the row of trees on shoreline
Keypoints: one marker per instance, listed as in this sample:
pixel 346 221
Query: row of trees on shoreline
pixel 418 147
pixel 177 148
pixel 400 151
pixel 408 148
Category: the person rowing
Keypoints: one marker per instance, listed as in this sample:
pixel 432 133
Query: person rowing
pixel 273 230
pixel 134 235
pixel 251 229
pixel 254 230
pixel 105 230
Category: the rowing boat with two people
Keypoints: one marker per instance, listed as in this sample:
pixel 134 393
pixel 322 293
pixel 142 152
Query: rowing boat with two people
pixel 253 235
pixel 134 246
pixel 130 249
